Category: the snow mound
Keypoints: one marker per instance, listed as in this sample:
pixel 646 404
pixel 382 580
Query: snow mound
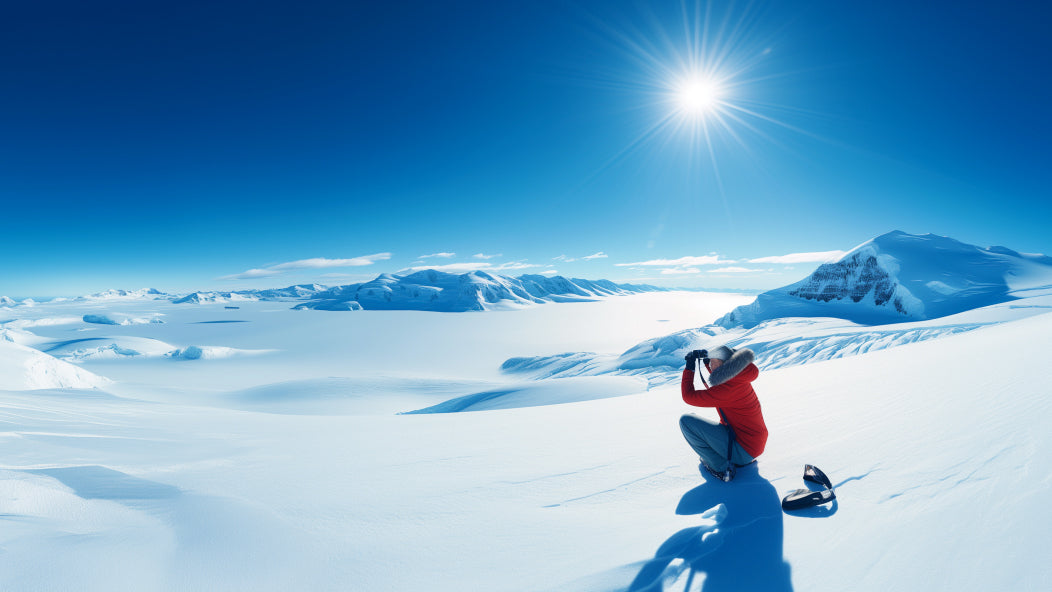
pixel 41 322
pixel 212 352
pixel 116 319
pixel 107 348
pixel 553 392
pixel 125 347
pixel 899 277
pixel 20 337
pixel 559 365
pixel 431 290
pixel 24 368
pixel 333 305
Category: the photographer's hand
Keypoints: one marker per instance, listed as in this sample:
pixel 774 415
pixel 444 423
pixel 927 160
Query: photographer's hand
pixel 692 359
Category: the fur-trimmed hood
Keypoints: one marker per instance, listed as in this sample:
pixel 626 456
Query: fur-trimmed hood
pixel 739 361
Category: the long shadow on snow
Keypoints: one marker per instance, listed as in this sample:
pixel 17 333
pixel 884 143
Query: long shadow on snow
pixel 743 551
pixel 95 482
pixel 214 537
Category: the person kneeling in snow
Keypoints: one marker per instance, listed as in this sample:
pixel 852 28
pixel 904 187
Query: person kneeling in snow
pixel 741 434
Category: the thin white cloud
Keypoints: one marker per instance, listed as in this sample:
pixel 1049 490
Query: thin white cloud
pixel 470 266
pixel 315 263
pixel 485 256
pixel 438 255
pixel 737 270
pixel 816 257
pixel 565 259
pixel 252 274
pixel 515 265
pixel 680 271
pixel 549 272
pixel 320 263
pixel 681 262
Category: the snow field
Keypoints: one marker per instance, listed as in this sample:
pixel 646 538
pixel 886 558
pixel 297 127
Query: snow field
pixel 182 483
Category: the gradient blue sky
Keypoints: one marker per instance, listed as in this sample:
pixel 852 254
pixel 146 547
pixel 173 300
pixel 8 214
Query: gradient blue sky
pixel 226 145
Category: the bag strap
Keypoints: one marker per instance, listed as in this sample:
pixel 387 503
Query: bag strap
pixel 730 431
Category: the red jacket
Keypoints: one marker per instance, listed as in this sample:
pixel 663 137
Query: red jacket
pixel 737 401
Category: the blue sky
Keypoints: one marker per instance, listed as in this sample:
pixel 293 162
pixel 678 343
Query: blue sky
pixel 228 145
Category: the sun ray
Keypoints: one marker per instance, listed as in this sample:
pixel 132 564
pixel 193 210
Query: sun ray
pixel 705 85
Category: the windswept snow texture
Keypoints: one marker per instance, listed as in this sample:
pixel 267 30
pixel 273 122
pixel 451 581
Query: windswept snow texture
pixel 899 277
pixel 431 290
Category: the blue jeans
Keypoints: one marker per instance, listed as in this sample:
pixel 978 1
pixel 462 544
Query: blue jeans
pixel 710 439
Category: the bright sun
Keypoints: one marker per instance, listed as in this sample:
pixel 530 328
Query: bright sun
pixel 698 96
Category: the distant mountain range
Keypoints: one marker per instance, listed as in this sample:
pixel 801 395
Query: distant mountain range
pixel 432 290
pixel 427 290
pixel 899 277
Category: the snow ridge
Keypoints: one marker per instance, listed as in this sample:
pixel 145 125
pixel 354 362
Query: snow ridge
pixel 777 344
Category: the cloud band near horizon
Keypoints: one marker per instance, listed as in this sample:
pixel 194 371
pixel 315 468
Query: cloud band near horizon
pixel 314 263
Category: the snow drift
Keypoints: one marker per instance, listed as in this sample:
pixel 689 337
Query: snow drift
pixel 569 390
pixel 24 368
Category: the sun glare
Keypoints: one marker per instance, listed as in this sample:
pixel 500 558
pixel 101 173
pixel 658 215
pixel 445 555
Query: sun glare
pixel 701 74
pixel 698 96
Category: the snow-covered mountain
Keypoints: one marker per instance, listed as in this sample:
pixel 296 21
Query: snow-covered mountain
pixel 298 292
pixel 202 297
pixel 900 277
pixel 432 290
pixel 110 295
pixel 427 290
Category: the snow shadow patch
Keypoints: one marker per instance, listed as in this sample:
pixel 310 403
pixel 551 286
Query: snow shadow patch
pixel 95 482
pixel 540 393
pixel 738 545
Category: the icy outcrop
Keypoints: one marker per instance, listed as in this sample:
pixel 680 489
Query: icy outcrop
pixel 899 277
